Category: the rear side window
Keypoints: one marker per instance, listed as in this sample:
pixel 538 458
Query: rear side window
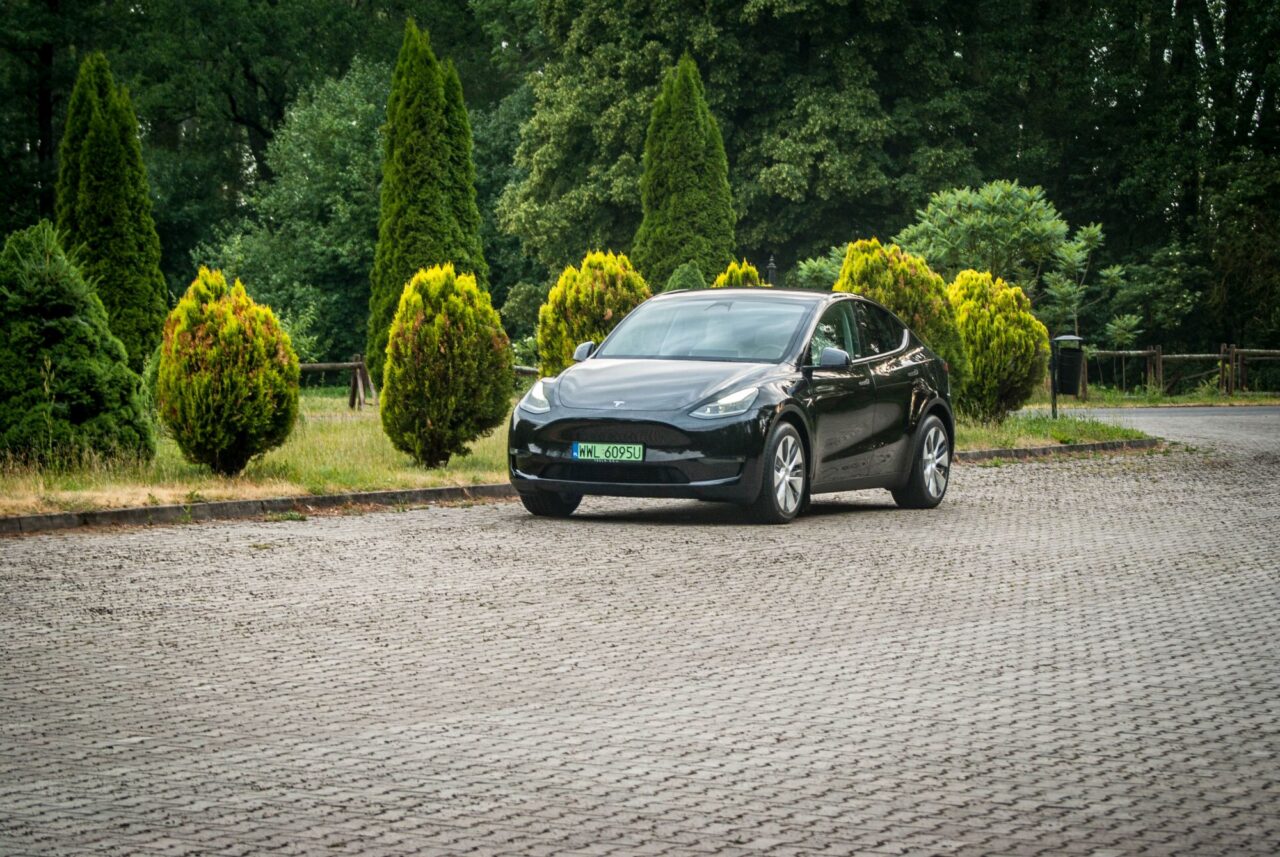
pixel 880 331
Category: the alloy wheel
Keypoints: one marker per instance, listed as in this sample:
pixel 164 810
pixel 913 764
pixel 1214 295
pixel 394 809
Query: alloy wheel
pixel 788 475
pixel 936 463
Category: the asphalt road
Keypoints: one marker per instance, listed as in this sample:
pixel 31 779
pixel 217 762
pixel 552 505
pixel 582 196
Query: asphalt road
pixel 1066 657
pixel 1231 427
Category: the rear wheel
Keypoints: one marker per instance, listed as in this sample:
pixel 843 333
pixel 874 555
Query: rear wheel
pixel 930 467
pixel 784 487
pixel 551 504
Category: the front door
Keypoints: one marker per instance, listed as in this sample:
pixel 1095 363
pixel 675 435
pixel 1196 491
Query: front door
pixel 843 400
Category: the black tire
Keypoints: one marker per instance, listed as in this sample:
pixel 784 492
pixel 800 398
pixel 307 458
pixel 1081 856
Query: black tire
pixel 551 504
pixel 931 456
pixel 783 459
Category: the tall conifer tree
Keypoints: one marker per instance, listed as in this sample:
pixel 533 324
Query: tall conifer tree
pixel 93 89
pixel 684 191
pixel 417 227
pixel 104 209
pixel 462 186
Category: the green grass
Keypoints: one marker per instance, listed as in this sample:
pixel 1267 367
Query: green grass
pixel 1141 397
pixel 334 449
pixel 1024 430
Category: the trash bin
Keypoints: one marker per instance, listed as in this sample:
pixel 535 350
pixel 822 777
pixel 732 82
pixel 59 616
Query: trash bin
pixel 1066 356
pixel 1070 359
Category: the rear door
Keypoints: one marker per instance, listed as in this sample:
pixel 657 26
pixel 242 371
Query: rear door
pixel 843 400
pixel 895 372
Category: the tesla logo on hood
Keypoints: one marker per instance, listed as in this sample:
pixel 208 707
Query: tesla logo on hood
pixel 619 404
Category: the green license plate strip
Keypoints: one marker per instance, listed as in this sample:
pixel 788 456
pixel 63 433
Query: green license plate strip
pixel 612 452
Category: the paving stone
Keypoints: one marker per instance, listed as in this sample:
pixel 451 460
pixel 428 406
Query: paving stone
pixel 1067 657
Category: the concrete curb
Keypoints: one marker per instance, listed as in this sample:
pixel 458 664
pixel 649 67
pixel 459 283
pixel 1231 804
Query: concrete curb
pixel 233 509
pixel 1042 451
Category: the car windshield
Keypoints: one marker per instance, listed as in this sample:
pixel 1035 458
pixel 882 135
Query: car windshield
pixel 736 328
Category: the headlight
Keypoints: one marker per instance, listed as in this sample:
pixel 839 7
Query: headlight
pixel 728 406
pixel 535 401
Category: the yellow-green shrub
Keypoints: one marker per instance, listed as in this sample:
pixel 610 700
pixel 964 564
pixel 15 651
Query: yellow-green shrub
pixel 738 276
pixel 906 285
pixel 227 384
pixel 586 304
pixel 1008 347
pixel 448 375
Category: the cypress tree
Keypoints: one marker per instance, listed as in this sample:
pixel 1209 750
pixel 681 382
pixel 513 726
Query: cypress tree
pixel 92 89
pixel 687 276
pixel 416 225
pixel 462 184
pixel 104 209
pixel 684 191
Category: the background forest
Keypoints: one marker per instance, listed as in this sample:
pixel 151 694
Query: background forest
pixel 260 128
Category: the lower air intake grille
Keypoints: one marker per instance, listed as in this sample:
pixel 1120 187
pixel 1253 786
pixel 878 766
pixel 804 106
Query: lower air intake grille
pixel 634 474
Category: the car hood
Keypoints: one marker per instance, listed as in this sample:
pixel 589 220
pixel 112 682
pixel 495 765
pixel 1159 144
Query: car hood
pixel 651 385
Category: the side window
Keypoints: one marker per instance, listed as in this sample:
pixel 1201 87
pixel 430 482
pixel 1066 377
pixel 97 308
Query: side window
pixel 834 330
pixel 880 331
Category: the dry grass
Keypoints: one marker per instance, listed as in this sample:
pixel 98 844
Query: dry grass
pixel 332 449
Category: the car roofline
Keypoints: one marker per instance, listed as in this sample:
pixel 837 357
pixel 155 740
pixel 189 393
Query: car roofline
pixel 778 291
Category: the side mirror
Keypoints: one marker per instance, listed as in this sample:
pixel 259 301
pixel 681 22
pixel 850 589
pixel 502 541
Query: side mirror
pixel 583 351
pixel 833 358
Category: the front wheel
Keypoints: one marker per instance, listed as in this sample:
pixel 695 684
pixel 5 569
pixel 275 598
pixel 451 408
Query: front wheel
pixel 784 486
pixel 551 504
pixel 930 467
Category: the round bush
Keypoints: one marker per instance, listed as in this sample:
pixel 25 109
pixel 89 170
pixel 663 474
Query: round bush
pixel 1008 347
pixel 448 377
pixel 227 384
pixel 687 276
pixel 738 276
pixel 586 304
pixel 66 389
pixel 913 292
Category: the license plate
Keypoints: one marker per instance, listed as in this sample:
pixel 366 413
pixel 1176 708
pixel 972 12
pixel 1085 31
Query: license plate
pixel 608 451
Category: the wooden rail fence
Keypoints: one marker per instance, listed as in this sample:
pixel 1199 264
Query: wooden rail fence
pixel 1232 365
pixel 361 390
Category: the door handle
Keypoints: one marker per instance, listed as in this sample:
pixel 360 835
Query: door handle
pixel 866 382
pixel 914 372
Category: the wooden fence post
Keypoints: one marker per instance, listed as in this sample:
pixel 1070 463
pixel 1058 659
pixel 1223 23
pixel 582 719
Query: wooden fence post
pixel 355 392
pixel 1160 368
pixel 1223 370
pixel 367 379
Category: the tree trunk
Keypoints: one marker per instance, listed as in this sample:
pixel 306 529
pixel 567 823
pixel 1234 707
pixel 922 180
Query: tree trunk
pixel 45 144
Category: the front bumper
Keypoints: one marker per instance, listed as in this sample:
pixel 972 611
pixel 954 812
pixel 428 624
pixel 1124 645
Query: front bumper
pixel 684 457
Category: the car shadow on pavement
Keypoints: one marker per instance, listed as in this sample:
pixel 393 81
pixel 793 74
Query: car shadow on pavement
pixel 698 514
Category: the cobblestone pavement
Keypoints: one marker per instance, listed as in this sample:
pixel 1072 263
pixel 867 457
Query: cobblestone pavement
pixel 1070 657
